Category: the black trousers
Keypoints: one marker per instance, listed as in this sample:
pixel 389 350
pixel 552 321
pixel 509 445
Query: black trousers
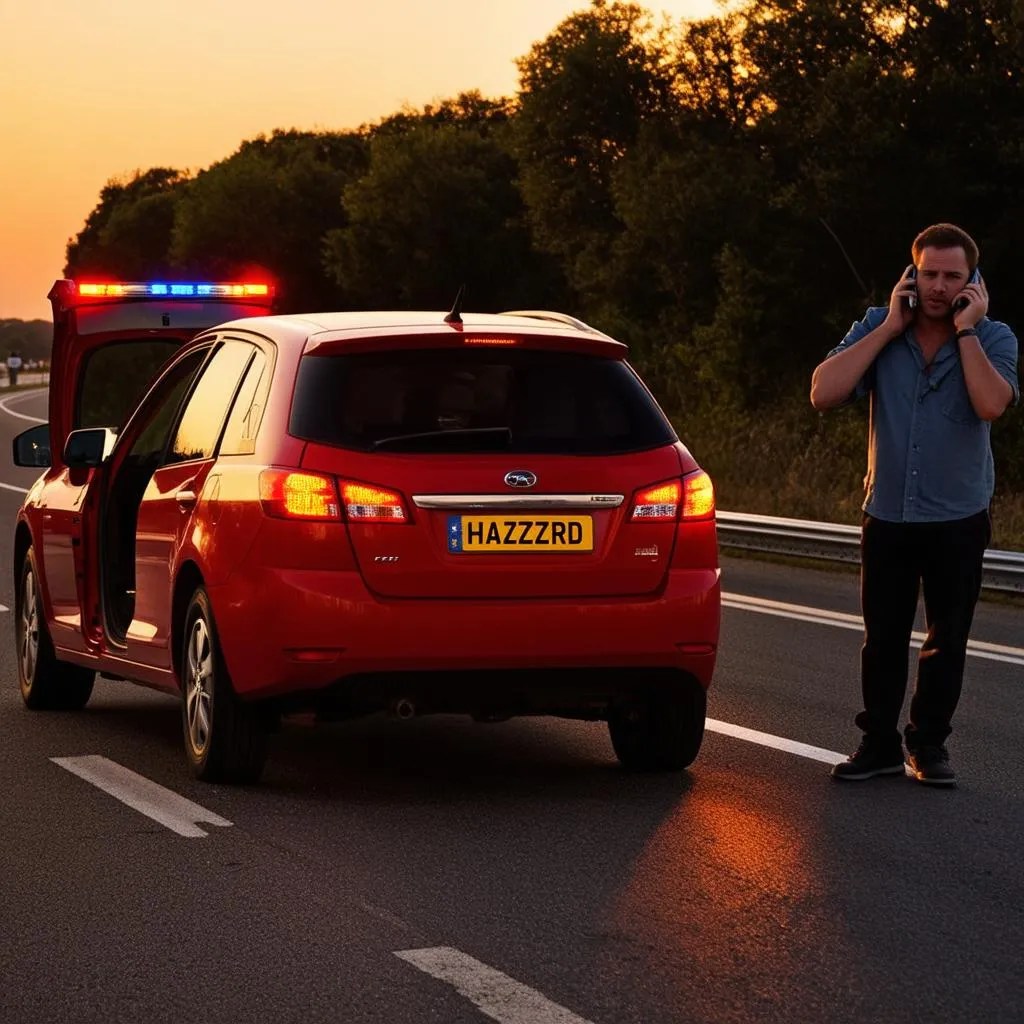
pixel 897 559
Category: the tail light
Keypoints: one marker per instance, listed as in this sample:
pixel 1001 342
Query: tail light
pixel 287 494
pixel 658 504
pixel 365 503
pixel 692 497
pixel 698 496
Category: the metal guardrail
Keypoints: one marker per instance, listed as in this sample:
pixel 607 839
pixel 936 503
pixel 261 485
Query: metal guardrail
pixel 836 542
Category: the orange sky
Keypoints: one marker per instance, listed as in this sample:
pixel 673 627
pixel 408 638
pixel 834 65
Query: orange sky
pixel 97 89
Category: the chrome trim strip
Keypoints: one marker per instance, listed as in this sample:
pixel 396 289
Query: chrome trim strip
pixel 502 501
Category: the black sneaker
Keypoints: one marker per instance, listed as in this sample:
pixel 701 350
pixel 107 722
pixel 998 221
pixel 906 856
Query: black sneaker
pixel 869 759
pixel 929 763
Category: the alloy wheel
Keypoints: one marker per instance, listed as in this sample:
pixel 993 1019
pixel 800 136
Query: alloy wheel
pixel 29 629
pixel 199 686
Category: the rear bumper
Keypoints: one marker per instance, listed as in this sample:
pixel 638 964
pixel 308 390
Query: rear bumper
pixel 289 630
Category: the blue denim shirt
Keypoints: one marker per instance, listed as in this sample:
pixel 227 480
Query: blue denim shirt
pixel 929 455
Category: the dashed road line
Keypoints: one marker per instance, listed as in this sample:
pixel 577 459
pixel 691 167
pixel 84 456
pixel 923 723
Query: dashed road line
pixel 495 994
pixel 141 794
pixel 766 739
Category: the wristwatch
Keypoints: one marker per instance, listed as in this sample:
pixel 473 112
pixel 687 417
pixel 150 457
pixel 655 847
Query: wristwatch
pixel 967 332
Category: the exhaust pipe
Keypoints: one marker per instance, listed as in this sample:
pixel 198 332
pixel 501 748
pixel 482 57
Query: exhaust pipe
pixel 403 708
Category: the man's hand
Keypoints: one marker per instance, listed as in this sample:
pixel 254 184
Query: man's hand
pixel 989 391
pixel 977 307
pixel 900 314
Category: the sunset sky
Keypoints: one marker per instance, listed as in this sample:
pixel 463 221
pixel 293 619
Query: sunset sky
pixel 93 91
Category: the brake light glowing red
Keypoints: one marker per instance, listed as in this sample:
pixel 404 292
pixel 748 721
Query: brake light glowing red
pixel 659 503
pixel 698 496
pixel 365 503
pixel 490 341
pixel 287 494
pixel 693 497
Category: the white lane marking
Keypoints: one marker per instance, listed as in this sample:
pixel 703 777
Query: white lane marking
pixel 146 797
pixel 766 739
pixel 11 487
pixel 844 620
pixel 497 995
pixel 5 405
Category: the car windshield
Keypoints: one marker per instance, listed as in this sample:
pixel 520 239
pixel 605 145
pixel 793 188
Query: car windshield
pixel 453 400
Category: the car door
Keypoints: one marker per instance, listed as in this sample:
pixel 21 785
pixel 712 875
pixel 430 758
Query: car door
pixel 167 511
pixel 109 342
pixel 105 394
pixel 60 502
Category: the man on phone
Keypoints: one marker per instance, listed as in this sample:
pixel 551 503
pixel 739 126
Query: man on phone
pixel 938 372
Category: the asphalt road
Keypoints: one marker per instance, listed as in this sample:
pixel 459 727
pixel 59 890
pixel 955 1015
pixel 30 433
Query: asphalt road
pixel 751 888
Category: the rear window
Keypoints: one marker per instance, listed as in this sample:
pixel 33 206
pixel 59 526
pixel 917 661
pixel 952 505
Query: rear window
pixel 115 377
pixel 453 400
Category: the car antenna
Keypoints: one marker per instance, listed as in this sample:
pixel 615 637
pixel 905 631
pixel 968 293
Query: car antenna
pixel 455 316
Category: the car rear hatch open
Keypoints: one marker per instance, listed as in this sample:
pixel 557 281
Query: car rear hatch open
pixel 506 468
pixel 111 338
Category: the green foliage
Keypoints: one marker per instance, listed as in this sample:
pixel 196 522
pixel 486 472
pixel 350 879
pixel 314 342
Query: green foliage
pixel 267 208
pixel 437 208
pixel 467 110
pixel 128 233
pixel 585 92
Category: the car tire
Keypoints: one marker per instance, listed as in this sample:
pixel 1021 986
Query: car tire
pixel 46 682
pixel 225 737
pixel 661 732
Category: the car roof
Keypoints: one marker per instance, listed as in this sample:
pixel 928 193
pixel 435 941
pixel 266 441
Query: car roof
pixel 367 322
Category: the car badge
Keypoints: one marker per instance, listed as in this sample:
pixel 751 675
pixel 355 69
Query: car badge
pixel 520 478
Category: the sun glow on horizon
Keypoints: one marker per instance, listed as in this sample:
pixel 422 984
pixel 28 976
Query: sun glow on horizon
pixel 91 94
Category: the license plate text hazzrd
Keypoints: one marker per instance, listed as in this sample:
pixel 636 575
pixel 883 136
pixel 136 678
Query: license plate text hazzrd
pixel 519 533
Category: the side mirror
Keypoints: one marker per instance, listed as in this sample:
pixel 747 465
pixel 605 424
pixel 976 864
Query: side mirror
pixel 88 447
pixel 32 447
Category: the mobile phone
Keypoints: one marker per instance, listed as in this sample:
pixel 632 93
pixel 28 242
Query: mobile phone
pixel 912 297
pixel 963 302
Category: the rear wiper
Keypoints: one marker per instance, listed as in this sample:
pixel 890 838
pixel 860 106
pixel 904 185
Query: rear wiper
pixel 460 432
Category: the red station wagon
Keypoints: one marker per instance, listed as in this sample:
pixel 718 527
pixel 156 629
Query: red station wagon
pixel 360 512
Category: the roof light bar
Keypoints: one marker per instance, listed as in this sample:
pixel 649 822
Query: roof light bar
pixel 172 290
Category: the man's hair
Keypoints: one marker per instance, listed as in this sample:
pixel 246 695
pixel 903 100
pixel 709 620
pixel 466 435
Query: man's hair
pixel 946 236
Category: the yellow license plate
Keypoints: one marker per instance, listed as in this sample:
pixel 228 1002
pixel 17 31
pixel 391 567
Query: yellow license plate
pixel 519 533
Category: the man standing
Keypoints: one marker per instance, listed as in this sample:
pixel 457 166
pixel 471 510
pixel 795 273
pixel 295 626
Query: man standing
pixel 13 366
pixel 938 372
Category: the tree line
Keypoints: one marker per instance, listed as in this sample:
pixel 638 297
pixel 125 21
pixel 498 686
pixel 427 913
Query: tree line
pixel 31 339
pixel 726 195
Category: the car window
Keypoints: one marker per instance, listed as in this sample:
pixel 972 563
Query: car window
pixel 243 423
pixel 116 376
pixel 163 409
pixel 453 400
pixel 200 424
